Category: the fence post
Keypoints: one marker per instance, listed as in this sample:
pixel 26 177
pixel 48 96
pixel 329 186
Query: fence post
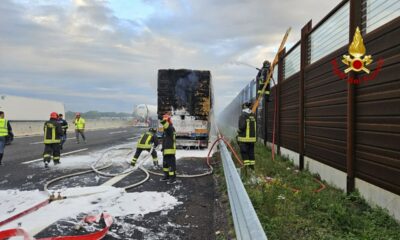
pixel 304 49
pixel 280 79
pixel 265 120
pixel 355 21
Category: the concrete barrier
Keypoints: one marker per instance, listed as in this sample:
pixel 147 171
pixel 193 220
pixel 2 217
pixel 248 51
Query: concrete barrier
pixel 21 128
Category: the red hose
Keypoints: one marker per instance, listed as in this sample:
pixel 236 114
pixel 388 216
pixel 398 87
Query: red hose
pixel 233 151
pixel 209 152
pixel 91 236
pixel 21 214
pixel 220 137
pixel 321 184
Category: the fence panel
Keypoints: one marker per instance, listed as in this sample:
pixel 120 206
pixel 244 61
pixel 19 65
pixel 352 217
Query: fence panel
pixel 325 105
pixel 270 113
pixel 289 120
pixel 377 148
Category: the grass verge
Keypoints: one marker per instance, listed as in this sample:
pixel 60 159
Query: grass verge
pixel 330 214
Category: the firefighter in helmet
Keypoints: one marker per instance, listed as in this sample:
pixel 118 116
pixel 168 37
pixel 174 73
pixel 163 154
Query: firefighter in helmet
pixel 168 150
pixel 247 135
pixel 145 143
pixel 262 76
pixel 52 139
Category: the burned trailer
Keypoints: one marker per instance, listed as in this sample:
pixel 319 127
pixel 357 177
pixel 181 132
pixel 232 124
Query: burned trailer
pixel 186 95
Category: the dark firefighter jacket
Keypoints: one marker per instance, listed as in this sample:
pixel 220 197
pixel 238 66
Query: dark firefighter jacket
pixel 64 125
pixel 169 141
pixel 247 127
pixel 261 77
pixel 146 140
pixel 52 132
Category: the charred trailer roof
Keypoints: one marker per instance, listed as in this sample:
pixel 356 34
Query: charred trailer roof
pixel 186 89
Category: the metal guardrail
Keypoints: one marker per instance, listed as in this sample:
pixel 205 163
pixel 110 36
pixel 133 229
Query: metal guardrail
pixel 247 225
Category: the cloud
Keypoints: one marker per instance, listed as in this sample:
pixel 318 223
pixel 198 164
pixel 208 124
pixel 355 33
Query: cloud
pixel 87 55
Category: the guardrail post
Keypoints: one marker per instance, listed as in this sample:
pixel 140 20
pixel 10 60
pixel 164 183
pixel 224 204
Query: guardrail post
pixel 304 47
pixel 355 21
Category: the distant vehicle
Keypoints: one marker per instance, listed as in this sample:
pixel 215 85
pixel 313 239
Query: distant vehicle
pixel 144 113
pixel 187 96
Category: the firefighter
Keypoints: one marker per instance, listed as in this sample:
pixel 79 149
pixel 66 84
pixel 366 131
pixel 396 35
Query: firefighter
pixel 262 76
pixel 168 150
pixel 5 131
pixel 52 139
pixel 247 135
pixel 79 127
pixel 145 142
pixel 64 126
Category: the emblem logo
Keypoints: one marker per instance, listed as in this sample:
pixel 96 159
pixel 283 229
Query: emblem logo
pixel 356 62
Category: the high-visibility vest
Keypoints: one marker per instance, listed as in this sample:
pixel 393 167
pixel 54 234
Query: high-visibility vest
pixel 80 124
pixel 169 141
pixel 50 133
pixel 145 141
pixel 3 127
pixel 250 134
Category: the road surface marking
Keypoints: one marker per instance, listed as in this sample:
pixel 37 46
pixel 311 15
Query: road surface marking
pixel 115 179
pixel 63 154
pixel 118 132
pixel 132 138
pixel 42 141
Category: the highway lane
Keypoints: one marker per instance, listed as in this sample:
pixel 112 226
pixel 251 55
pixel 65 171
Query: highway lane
pixel 24 151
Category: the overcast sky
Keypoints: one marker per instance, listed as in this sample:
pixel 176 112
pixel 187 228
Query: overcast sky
pixel 104 55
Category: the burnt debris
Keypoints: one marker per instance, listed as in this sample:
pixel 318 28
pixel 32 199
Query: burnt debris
pixel 184 89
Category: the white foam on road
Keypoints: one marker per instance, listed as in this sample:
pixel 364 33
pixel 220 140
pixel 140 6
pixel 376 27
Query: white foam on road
pixel 180 153
pixel 115 201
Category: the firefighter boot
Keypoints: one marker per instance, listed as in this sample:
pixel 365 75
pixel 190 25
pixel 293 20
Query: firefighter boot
pixel 133 162
pixel 155 163
pixel 1 158
pixel 165 177
pixel 172 178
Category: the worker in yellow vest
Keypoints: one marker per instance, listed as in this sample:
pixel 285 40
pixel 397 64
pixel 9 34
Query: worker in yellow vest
pixel 52 138
pixel 79 127
pixel 5 130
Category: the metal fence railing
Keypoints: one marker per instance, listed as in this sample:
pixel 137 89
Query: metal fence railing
pixel 331 35
pixel 247 224
pixel 379 12
pixel 292 62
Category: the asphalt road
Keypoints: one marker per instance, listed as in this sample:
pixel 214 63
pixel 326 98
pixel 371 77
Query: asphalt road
pixel 193 219
pixel 24 151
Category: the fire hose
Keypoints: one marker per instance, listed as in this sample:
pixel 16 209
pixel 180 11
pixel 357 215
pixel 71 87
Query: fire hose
pixel 104 217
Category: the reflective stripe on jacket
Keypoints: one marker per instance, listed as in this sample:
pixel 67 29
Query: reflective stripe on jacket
pixel 169 139
pixel 247 128
pixel 52 132
pixel 80 123
pixel 3 127
pixel 145 141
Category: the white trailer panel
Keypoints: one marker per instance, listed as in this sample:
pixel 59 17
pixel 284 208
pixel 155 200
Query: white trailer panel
pixel 28 109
